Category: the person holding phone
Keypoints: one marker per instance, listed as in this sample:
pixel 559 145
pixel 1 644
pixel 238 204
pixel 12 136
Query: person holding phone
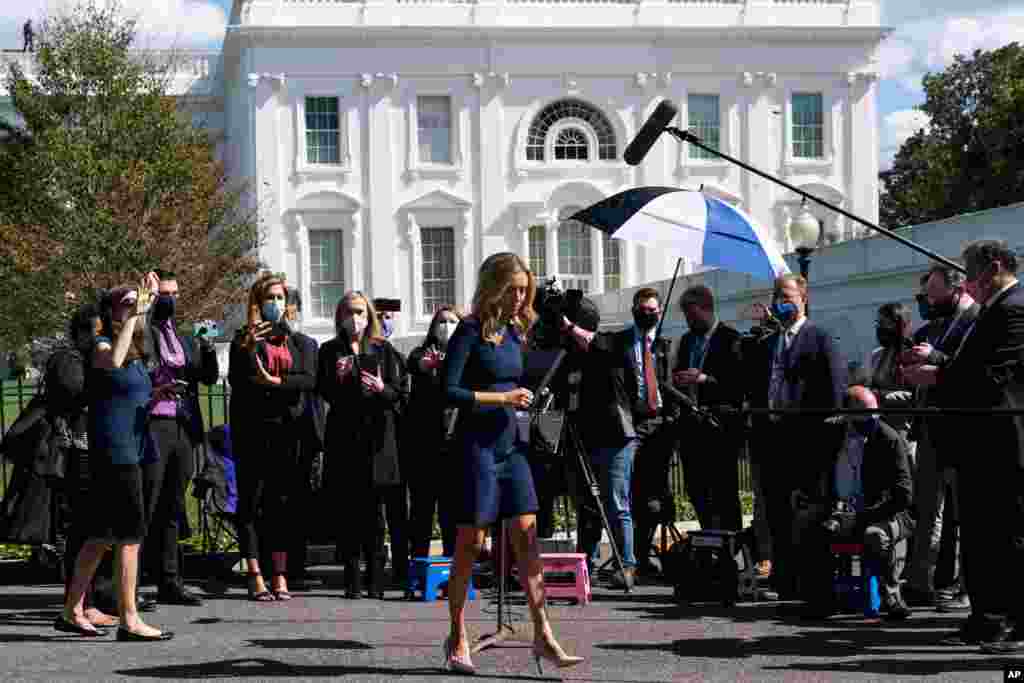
pixel 362 377
pixel 179 363
pixel 483 367
pixel 119 391
pixel 271 370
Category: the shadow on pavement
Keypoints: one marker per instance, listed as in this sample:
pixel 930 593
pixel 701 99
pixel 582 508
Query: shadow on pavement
pixel 311 643
pixel 271 668
pixel 906 667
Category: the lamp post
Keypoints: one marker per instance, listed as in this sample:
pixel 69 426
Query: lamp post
pixel 805 230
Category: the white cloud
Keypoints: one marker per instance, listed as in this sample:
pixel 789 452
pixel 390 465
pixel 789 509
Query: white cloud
pixel 896 128
pixel 931 44
pixel 161 23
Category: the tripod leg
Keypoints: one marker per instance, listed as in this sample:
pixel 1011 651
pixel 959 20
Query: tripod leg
pixel 505 630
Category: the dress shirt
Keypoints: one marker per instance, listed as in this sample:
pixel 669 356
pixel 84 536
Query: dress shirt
pixel 638 355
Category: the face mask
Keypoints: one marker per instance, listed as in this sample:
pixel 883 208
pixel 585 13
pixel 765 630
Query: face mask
pixel 445 331
pixel 387 327
pixel 272 311
pixel 354 325
pixel 946 309
pixel 785 312
pixel 163 308
pixel 887 336
pixel 644 320
pixel 925 310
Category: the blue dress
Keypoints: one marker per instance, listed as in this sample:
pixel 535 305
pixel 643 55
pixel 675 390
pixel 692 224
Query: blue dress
pixel 495 475
pixel 118 443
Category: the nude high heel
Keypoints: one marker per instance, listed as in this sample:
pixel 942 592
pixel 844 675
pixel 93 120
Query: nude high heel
pixel 550 651
pixel 457 663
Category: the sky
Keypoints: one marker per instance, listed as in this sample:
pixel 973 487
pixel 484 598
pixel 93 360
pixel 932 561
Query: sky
pixel 925 37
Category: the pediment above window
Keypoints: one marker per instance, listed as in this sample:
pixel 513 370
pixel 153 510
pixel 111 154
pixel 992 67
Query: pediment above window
pixel 328 201
pixel 438 199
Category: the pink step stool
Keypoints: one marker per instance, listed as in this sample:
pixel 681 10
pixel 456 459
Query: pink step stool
pixel 567 563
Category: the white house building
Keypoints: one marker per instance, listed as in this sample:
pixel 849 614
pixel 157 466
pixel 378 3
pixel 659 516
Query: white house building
pixel 394 144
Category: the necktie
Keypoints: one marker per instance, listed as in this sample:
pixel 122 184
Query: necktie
pixel 650 381
pixel 697 354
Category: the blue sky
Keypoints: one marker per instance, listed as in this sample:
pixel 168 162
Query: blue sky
pixel 925 38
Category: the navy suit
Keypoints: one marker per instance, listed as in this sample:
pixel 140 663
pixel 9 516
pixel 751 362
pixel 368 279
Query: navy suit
pixel 795 453
pixel 987 373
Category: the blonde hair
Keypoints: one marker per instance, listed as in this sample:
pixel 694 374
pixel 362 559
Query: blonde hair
pixel 258 292
pixel 493 282
pixel 373 330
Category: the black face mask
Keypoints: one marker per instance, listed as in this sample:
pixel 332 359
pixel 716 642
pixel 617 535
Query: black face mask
pixel 946 309
pixel 888 336
pixel 645 321
pixel 163 308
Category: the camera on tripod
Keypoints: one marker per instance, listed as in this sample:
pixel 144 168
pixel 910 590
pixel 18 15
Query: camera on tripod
pixel 552 304
pixel 842 520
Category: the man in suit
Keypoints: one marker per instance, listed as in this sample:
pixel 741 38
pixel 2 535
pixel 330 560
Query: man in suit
pixel 176 425
pixel 988 373
pixel 708 368
pixel 800 367
pixel 950 312
pixel 871 478
pixel 627 418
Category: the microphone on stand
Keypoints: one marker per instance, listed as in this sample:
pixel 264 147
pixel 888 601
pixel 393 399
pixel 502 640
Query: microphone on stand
pixel 648 135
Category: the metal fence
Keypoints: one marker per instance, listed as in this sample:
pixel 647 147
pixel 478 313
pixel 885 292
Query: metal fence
pixel 215 404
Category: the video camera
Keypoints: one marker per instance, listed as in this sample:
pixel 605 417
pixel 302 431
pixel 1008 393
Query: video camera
pixel 552 304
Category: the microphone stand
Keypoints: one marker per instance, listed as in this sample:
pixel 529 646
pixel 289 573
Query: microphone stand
pixel 687 136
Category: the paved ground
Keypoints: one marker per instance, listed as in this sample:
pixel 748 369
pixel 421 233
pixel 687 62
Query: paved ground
pixel 626 639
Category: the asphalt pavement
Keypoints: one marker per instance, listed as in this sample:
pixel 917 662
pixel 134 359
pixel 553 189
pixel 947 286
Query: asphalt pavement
pixel 625 638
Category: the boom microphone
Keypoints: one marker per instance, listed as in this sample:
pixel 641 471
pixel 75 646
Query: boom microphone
pixel 648 135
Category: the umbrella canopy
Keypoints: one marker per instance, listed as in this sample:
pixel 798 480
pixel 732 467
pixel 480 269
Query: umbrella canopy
pixel 697 227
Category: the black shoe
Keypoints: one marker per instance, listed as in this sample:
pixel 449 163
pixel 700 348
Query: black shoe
pixel 958 603
pixel 915 597
pixel 126 636
pixel 178 595
pixel 64 626
pixel 973 634
pixel 1010 643
pixel 897 610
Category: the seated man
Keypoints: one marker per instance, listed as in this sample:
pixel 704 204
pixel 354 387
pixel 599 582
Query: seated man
pixel 871 499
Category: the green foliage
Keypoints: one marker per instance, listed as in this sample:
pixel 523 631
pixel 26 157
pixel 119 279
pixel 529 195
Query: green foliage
pixel 971 157
pixel 108 179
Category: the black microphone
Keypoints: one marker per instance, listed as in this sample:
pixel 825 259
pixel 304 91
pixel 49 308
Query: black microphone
pixel 648 135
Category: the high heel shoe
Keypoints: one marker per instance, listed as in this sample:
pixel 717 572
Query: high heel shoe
pixel 457 663
pixel 554 654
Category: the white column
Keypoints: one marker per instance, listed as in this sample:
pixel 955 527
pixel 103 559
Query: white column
pixel 467 282
pixel 597 262
pixel 415 235
pixel 627 256
pixel 551 245
pixel 522 241
pixel 302 261
pixel 356 251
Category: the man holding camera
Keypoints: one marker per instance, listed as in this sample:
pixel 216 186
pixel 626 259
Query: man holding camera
pixel 871 499
pixel 708 368
pixel 626 415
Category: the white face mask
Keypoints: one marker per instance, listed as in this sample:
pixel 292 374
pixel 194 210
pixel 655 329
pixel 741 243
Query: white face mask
pixel 355 325
pixel 445 330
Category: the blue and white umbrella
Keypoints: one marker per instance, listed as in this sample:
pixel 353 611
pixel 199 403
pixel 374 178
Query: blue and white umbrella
pixel 697 227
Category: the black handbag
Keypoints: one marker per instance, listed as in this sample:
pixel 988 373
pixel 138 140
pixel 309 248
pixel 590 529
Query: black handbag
pixel 31 442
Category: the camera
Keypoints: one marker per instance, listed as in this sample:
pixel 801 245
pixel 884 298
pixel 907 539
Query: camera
pixel 551 305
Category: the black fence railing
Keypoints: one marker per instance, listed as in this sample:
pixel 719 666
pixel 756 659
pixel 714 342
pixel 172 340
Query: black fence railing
pixel 215 403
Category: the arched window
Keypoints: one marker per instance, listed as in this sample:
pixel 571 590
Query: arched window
pixel 571 143
pixel 579 110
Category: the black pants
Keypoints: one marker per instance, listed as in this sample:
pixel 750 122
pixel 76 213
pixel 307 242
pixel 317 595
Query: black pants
pixel 269 476
pixel 652 502
pixel 363 538
pixel 711 470
pixel 396 511
pixel 164 484
pixel 429 490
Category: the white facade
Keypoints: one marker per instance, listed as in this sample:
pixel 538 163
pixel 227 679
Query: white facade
pixel 374 198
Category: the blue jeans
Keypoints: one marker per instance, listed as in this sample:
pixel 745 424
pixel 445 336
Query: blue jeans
pixel 613 468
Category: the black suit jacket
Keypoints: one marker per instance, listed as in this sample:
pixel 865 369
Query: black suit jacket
pixel 722 365
pixel 885 477
pixel 609 393
pixel 987 373
pixel 820 370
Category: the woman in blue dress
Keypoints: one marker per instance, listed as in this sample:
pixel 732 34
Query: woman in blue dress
pixel 482 370
pixel 119 393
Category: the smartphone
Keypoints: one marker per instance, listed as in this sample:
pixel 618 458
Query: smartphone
pixel 368 362
pixel 179 386
pixel 279 329
pixel 207 329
